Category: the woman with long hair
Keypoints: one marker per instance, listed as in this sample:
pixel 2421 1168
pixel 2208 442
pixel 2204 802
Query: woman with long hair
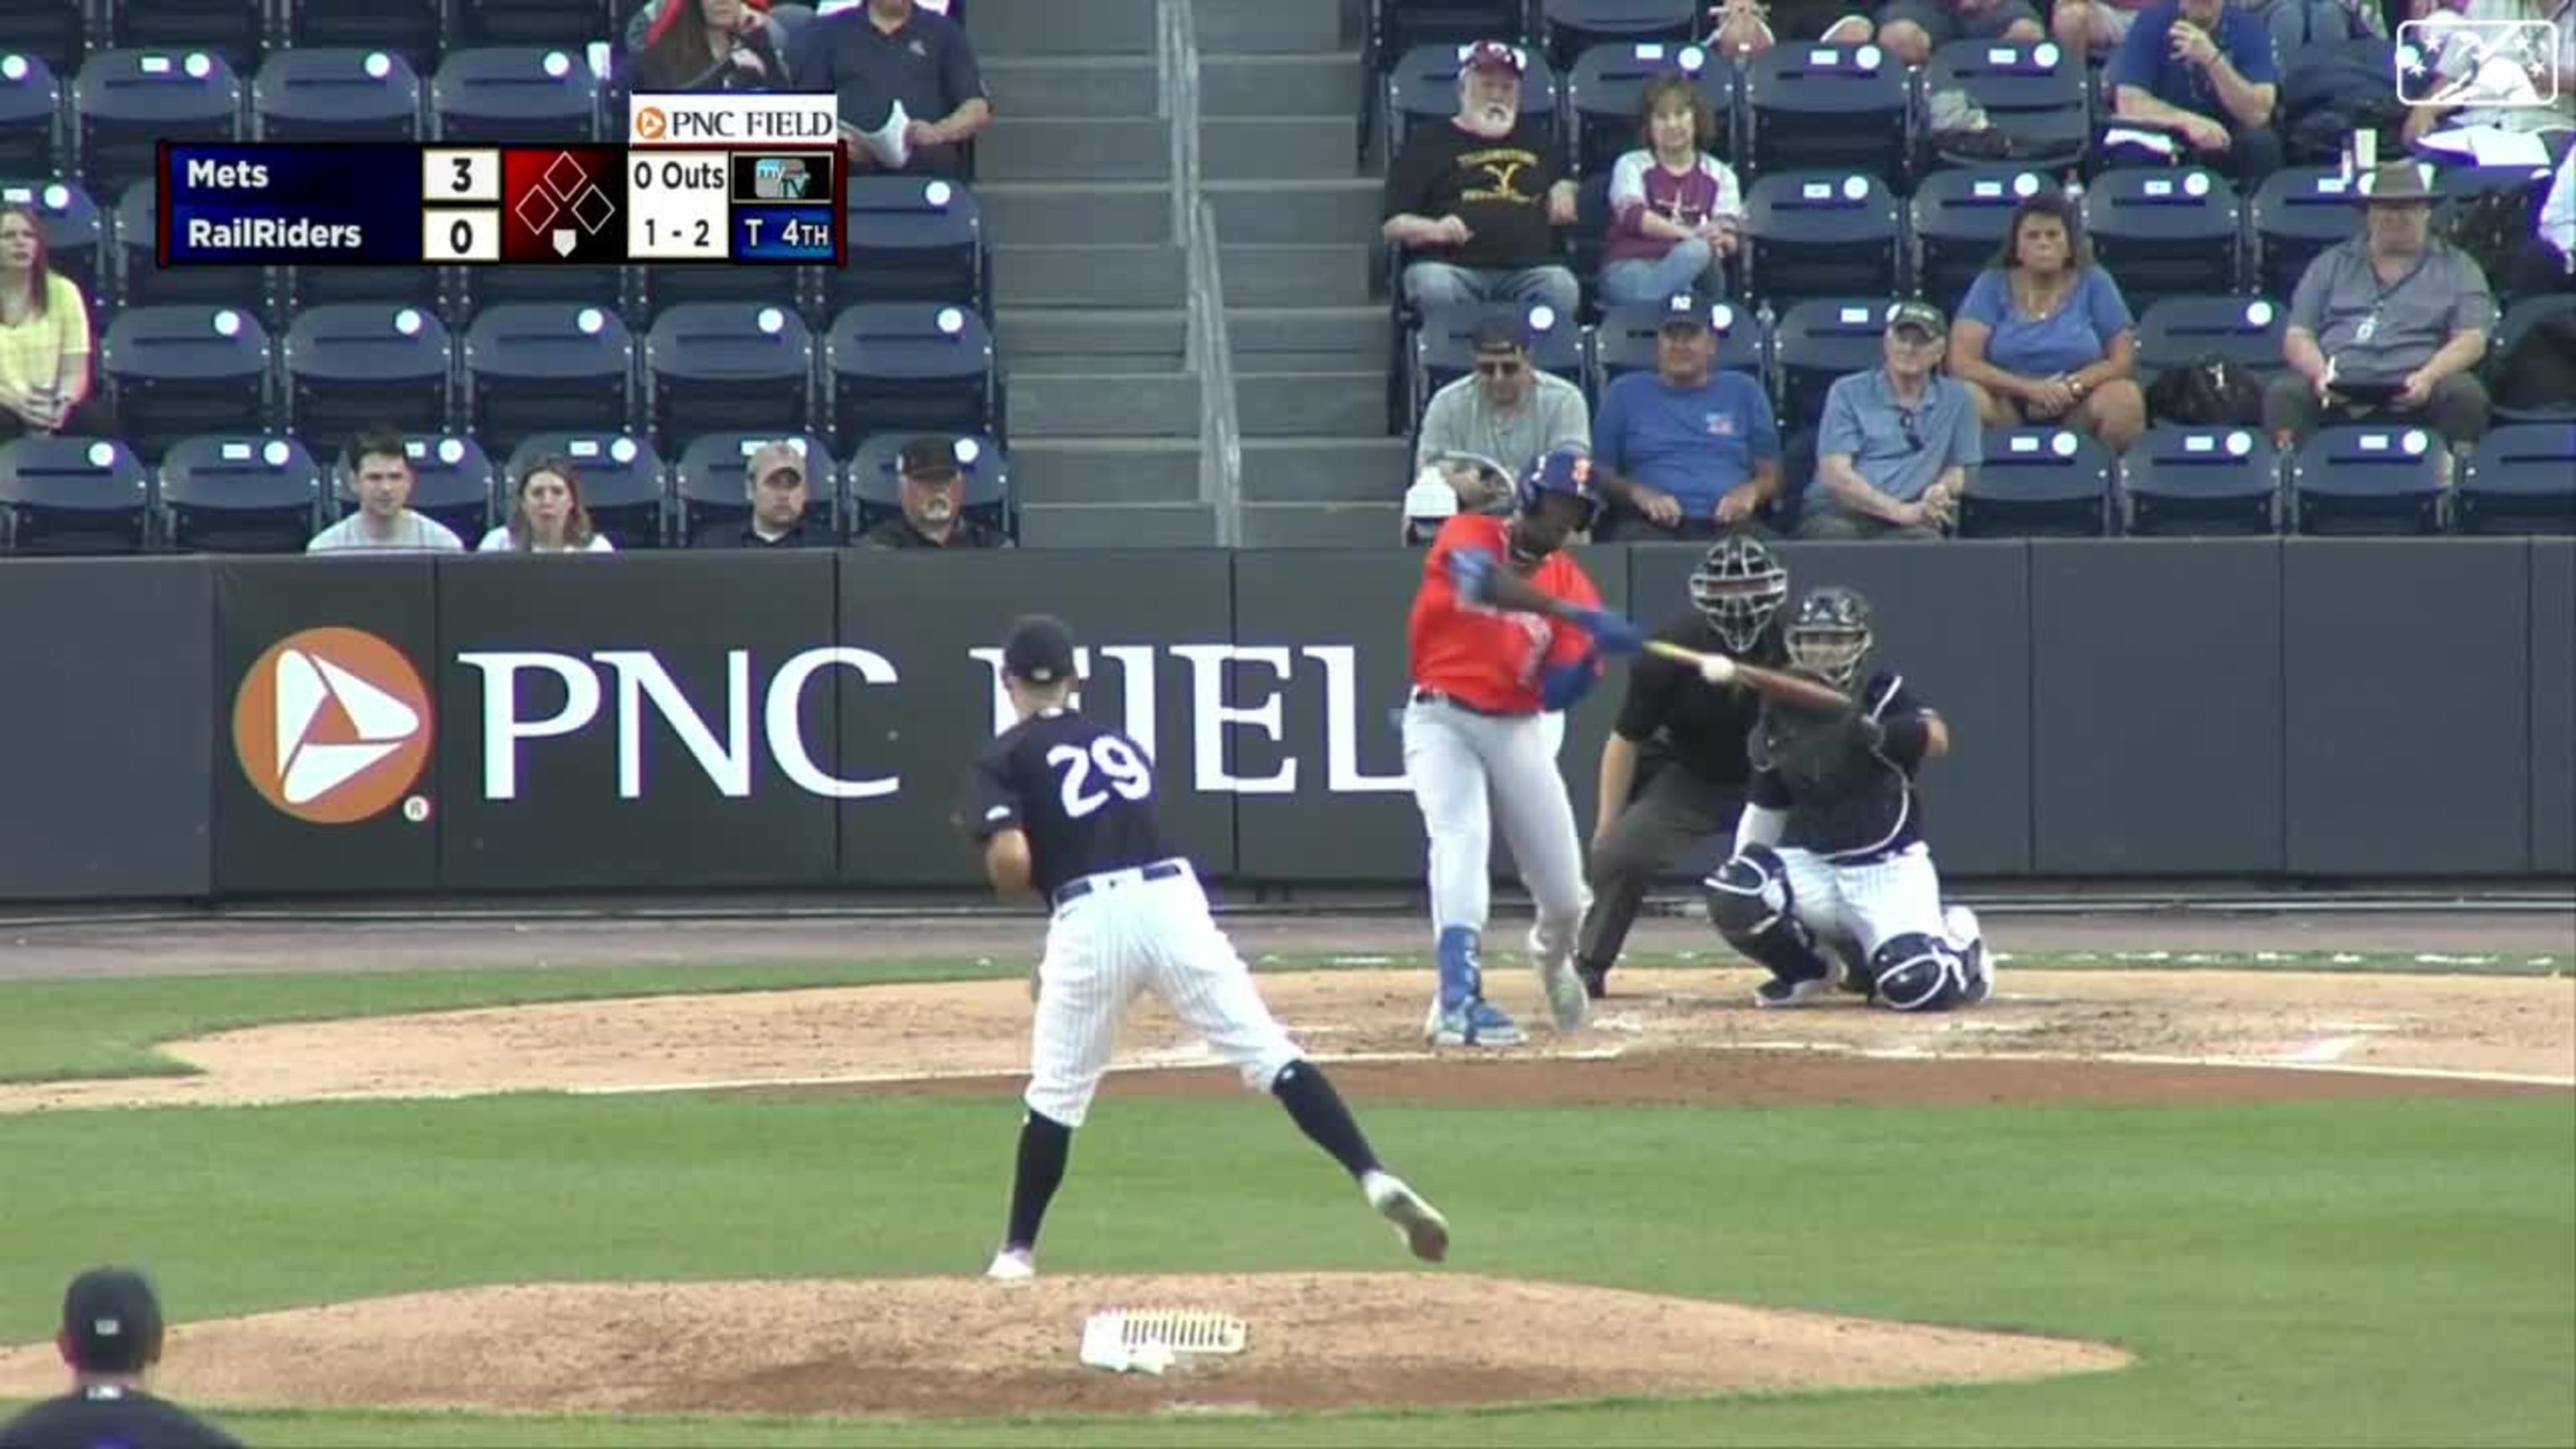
pixel 2044 335
pixel 546 515
pixel 45 341
pixel 710 45
pixel 1674 207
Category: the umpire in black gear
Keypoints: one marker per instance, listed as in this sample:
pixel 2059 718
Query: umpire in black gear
pixel 111 1338
pixel 1674 769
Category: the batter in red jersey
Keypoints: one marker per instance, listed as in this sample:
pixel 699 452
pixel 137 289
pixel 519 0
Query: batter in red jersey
pixel 1505 629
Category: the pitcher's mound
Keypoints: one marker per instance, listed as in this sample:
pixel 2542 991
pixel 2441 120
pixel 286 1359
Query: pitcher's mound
pixel 963 1346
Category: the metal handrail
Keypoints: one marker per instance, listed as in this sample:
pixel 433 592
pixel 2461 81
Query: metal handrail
pixel 1221 430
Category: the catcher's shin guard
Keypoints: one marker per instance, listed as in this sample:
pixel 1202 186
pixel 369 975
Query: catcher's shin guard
pixel 1749 903
pixel 1916 972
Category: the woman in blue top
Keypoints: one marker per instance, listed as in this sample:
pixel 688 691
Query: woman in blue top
pixel 2043 336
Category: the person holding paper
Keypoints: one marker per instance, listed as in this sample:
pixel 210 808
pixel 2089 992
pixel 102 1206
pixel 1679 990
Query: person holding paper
pixel 2204 71
pixel 911 94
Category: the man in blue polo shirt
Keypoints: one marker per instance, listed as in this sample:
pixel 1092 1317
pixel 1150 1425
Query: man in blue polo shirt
pixel 1897 441
pixel 1689 452
pixel 889 53
pixel 2204 71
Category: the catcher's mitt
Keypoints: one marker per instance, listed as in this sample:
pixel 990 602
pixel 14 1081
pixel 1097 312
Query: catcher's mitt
pixel 1816 752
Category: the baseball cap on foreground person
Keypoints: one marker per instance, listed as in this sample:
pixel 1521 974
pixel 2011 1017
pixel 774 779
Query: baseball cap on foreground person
pixel 111 1337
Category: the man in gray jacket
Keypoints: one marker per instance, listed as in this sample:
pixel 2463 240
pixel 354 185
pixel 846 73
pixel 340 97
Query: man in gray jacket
pixel 1485 430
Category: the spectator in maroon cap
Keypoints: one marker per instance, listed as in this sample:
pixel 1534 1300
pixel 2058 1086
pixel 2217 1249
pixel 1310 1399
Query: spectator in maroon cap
pixel 934 503
pixel 1473 204
pixel 111 1337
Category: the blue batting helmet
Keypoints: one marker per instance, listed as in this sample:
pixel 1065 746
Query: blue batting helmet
pixel 1562 470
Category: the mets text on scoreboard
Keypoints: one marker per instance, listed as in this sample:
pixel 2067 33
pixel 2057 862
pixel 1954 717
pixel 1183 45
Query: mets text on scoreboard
pixel 749 120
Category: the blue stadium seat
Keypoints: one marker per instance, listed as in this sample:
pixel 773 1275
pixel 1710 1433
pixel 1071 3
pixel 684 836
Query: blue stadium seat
pixel 906 367
pixel 569 23
pixel 1602 90
pixel 1575 26
pixel 2517 322
pixel 1423 87
pixel 1441 349
pixel 31 117
pixel 876 489
pixel 1815 342
pixel 727 367
pixel 2164 233
pixel 408 28
pixel 658 289
pixel 2521 479
pixel 233 492
pixel 1959 219
pixel 453 481
pixel 527 95
pixel 1826 107
pixel 712 494
pixel 1820 234
pixel 74 234
pixel 2033 94
pixel 53 31
pixel 73 495
pixel 139 281
pixel 2038 483
pixel 2372 479
pixel 234 31
pixel 1398 26
pixel 910 240
pixel 181 371
pixel 2192 482
pixel 1626 339
pixel 2245 331
pixel 2295 214
pixel 336 95
pixel 126 102
pixel 355 363
pixel 547 367
pixel 623 483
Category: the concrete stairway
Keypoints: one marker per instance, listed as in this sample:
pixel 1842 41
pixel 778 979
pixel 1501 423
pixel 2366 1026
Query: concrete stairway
pixel 1075 182
pixel 1296 224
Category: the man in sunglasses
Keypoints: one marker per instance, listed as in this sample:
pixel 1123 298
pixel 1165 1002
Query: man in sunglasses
pixel 1897 441
pixel 1483 431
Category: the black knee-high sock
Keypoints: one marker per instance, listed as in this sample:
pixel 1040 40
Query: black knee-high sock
pixel 1320 1114
pixel 1044 1145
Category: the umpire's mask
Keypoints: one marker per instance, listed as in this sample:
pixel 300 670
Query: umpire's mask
pixel 1739 586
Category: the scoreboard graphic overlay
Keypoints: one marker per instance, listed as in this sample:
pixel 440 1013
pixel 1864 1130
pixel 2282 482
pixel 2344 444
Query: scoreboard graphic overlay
pixel 581 204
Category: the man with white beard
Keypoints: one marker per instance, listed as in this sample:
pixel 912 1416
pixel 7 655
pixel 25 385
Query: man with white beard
pixel 1473 204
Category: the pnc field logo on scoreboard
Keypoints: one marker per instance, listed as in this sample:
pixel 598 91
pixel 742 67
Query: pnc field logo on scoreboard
pixel 761 118
pixel 2448 60
pixel 652 124
pixel 333 726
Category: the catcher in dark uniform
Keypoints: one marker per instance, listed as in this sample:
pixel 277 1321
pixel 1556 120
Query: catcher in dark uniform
pixel 1829 852
pixel 1674 769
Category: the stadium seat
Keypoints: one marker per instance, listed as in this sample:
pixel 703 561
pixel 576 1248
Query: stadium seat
pixel 711 494
pixel 182 371
pixel 622 483
pixel 547 367
pixel 2190 482
pixel 2294 215
pixel 1441 349
pixel 53 31
pixel 336 95
pixel 353 363
pixel 569 23
pixel 1826 108
pixel 73 495
pixel 139 281
pixel 2033 96
pixel 1959 219
pixel 900 367
pixel 2370 479
pixel 1398 26
pixel 2521 479
pixel 407 28
pixel 2519 318
pixel 1817 341
pixel 231 492
pixel 1423 87
pixel 2244 331
pixel 1820 234
pixel 1575 26
pixel 659 289
pixel 1626 339
pixel 453 481
pixel 31 117
pixel 74 233
pixel 2164 233
pixel 1602 90
pixel 876 489
pixel 910 240
pixel 127 102
pixel 233 31
pixel 526 95
pixel 2038 483
pixel 726 367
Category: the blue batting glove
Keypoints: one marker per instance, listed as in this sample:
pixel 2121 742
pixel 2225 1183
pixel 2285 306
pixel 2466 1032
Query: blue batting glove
pixel 1612 633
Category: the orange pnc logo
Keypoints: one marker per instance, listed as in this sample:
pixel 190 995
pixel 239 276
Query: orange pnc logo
pixel 332 725
pixel 651 124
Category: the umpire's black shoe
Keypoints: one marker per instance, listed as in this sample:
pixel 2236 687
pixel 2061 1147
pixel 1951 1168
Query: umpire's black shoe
pixel 1596 979
pixel 1793 990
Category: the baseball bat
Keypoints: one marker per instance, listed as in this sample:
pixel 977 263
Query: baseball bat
pixel 1787 688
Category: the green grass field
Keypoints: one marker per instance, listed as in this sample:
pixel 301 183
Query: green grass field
pixel 2387 1272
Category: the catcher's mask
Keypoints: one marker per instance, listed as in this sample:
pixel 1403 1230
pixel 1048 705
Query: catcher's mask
pixel 1739 586
pixel 1831 634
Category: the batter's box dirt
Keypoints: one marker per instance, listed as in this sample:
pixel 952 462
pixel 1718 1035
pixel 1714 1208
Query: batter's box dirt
pixel 946 1347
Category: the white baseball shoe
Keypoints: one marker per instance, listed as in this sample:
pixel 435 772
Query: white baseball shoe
pixel 1012 1265
pixel 1960 924
pixel 1568 1003
pixel 1424 1231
